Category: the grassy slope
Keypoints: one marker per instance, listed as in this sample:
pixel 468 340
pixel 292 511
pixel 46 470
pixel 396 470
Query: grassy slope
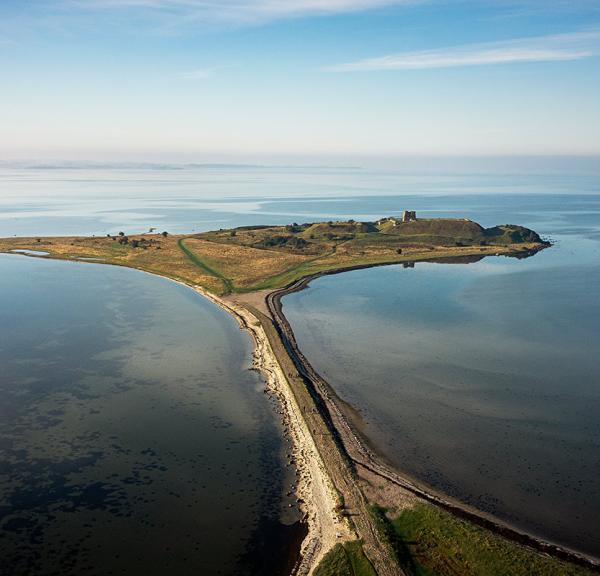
pixel 337 245
pixel 345 560
pixel 269 257
pixel 227 284
pixel 245 266
pixel 428 541
pixel 223 263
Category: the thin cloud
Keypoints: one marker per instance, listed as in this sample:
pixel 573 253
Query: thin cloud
pixel 561 47
pixel 242 11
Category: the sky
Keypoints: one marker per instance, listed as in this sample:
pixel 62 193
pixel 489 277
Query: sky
pixel 205 80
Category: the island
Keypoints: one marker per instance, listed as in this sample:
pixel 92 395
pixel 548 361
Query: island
pixel 362 516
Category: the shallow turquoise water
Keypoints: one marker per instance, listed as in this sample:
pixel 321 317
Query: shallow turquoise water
pixel 479 379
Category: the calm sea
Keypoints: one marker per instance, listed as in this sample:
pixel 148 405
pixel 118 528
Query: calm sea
pixel 134 436
pixel 481 379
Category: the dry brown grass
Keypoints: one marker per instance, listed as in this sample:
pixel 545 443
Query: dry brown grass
pixel 244 266
pixel 226 266
pixel 163 257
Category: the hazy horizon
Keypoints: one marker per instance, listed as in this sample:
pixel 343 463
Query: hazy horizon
pixel 547 164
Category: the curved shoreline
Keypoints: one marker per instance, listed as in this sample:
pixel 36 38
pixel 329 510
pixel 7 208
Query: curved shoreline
pixel 356 445
pixel 318 497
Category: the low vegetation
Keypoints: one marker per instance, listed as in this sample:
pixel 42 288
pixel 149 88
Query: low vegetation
pixel 345 560
pixel 266 257
pixel 428 541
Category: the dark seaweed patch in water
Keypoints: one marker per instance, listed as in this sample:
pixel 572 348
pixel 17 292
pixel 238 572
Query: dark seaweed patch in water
pixel 132 439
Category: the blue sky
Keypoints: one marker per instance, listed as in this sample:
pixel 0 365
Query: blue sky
pixel 203 79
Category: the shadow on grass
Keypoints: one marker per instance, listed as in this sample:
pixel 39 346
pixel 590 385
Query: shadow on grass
pixel 400 548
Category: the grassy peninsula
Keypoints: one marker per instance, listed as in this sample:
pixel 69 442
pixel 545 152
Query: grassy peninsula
pixel 252 258
pixel 363 518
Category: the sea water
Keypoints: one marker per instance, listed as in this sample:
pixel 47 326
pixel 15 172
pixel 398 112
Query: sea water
pixel 134 439
pixel 479 379
pixel 133 435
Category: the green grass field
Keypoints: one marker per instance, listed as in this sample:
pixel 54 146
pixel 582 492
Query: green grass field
pixel 428 541
pixel 345 560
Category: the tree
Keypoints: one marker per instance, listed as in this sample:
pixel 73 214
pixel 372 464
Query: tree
pixel 121 234
pixel 164 234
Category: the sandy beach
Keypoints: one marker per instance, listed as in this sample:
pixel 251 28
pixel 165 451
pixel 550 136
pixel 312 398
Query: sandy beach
pixel 318 498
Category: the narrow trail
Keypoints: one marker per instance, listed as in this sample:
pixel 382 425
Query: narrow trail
pixel 190 255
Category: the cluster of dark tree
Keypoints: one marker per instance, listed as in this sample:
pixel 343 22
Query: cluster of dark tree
pixel 296 228
pixel 470 243
pixel 252 227
pixel 282 241
pixel 144 243
pixel 339 237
